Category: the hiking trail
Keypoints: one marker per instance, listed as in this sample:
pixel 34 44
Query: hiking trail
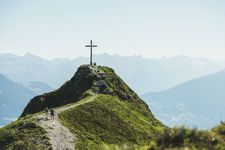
pixel 60 137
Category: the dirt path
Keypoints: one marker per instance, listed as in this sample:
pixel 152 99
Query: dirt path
pixel 60 137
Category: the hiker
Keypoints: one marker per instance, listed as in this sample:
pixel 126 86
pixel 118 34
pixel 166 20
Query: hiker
pixel 52 113
pixel 46 113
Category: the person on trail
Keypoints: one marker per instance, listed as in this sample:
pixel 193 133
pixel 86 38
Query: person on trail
pixel 52 113
pixel 46 113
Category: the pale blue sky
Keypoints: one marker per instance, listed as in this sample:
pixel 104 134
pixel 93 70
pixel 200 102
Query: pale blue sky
pixel 61 28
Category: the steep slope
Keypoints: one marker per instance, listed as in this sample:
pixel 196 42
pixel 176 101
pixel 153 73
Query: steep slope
pixel 199 102
pixel 95 109
pixel 13 99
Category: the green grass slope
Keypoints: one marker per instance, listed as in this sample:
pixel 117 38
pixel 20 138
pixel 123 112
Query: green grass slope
pixel 24 134
pixel 110 122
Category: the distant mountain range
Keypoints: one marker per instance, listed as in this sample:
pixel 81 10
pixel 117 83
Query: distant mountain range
pixel 13 99
pixel 143 75
pixel 196 103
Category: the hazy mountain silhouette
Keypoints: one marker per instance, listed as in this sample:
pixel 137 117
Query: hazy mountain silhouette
pixel 199 102
pixel 13 99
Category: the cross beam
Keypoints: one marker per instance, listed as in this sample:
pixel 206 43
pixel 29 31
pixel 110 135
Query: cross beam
pixel 91 50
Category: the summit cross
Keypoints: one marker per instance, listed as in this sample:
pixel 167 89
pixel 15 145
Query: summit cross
pixel 91 50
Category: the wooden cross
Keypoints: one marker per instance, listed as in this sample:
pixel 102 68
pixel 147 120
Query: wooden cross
pixel 91 51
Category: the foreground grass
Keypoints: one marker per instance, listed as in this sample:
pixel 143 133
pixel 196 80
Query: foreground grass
pixel 184 138
pixel 23 134
pixel 109 123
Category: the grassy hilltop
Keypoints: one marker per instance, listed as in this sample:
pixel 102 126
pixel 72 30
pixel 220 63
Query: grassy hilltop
pixel 115 118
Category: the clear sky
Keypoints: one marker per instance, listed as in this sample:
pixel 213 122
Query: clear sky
pixel 151 28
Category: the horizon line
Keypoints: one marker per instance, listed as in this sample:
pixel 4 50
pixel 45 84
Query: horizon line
pixel 115 54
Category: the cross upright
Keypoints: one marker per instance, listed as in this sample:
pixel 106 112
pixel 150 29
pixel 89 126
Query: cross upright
pixel 91 50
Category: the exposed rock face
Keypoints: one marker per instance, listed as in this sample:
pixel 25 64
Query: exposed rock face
pixel 98 79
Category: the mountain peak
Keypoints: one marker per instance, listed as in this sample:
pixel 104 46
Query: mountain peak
pixel 103 111
pixel 32 57
pixel 95 79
